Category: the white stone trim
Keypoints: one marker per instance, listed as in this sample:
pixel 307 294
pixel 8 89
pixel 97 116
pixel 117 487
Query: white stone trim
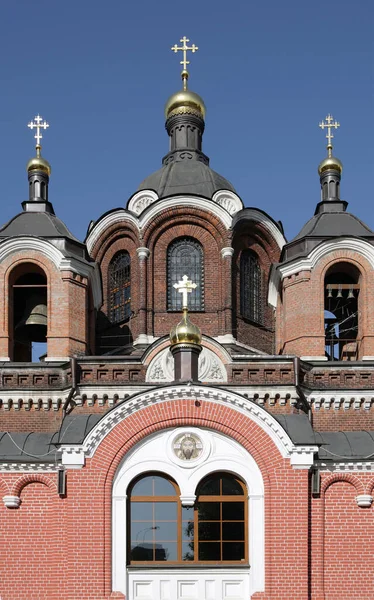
pixel 302 457
pixel 143 339
pixel 12 501
pixel 368 358
pixel 364 500
pixel 341 400
pixel 175 392
pixel 141 200
pixel 227 455
pixel 227 252
pixel 11 246
pixel 228 338
pixel 73 458
pixel 143 252
pixel 347 466
pixel 253 214
pixel 314 358
pixel 229 201
pixel 28 467
pixel 309 262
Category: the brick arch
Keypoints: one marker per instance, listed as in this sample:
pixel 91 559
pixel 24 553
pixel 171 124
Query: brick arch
pixel 370 487
pixel 347 477
pixel 111 235
pixel 184 216
pixel 32 478
pixel 4 487
pixel 102 467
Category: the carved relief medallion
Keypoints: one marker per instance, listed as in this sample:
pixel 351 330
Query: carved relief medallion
pixel 187 446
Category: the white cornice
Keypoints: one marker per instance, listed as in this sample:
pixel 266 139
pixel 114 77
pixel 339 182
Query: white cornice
pixel 235 401
pixel 259 217
pixel 309 262
pixel 19 244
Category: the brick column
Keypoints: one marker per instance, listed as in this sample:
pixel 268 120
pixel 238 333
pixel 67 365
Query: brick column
pixel 226 321
pixel 143 253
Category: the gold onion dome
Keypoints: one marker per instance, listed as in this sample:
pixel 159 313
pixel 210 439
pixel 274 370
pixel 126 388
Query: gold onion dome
pixel 185 101
pixel 185 332
pixel 330 163
pixel 38 163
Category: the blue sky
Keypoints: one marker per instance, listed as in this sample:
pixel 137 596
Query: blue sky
pixel 268 71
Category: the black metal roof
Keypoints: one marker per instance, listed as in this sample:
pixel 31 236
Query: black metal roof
pixel 186 177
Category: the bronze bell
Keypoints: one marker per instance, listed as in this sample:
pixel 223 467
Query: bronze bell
pixel 33 325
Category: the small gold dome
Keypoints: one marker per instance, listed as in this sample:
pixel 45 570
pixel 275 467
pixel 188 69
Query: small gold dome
pixel 185 332
pixel 38 163
pixel 330 163
pixel 185 101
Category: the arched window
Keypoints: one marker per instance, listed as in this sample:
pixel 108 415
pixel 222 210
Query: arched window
pixel 342 289
pixel 214 530
pixel 250 287
pixel 185 257
pixel 119 288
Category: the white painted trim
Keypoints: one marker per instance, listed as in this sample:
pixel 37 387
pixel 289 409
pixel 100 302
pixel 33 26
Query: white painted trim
pixel 345 467
pixel 143 339
pixel 314 358
pixel 143 252
pixel 237 402
pixel 253 214
pixel 12 501
pixel 368 358
pixel 364 500
pixel 227 455
pixel 309 262
pixel 81 267
pixel 227 252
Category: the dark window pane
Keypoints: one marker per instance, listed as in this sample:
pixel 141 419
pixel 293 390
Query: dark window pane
pixel 144 487
pixel 165 511
pixel 233 531
pixel 141 511
pixel 250 287
pixel 185 257
pixel 166 551
pixel 233 511
pixel 119 287
pixel 231 487
pixel 163 487
pixel 233 551
pixel 167 532
pixel 209 551
pixel 209 531
pixel 188 551
pixel 141 531
pixel 210 487
pixel 187 530
pixel 142 551
pixel 209 511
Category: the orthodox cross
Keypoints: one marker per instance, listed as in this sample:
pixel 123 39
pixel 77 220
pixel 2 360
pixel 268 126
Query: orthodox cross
pixel 184 62
pixel 329 124
pixel 185 287
pixel 39 124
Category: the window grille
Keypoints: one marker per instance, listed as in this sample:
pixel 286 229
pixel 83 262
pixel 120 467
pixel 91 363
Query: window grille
pixel 250 287
pixel 185 257
pixel 119 288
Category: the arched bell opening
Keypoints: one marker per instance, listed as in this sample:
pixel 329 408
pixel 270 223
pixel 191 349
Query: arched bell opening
pixel 341 316
pixel 28 314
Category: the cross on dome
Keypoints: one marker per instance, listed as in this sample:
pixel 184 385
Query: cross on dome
pixel 329 124
pixel 185 287
pixel 184 62
pixel 38 124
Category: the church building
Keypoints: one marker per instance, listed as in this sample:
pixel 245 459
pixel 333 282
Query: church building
pixel 201 423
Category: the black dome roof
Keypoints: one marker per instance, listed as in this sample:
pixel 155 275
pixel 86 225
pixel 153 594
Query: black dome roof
pixel 185 177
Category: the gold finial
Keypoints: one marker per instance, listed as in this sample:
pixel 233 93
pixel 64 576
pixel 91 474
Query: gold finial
pixel 185 332
pixel 184 62
pixel 330 162
pixel 38 163
pixel 330 124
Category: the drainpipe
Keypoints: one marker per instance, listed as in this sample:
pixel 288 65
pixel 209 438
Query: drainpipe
pixel 69 399
pixel 305 403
